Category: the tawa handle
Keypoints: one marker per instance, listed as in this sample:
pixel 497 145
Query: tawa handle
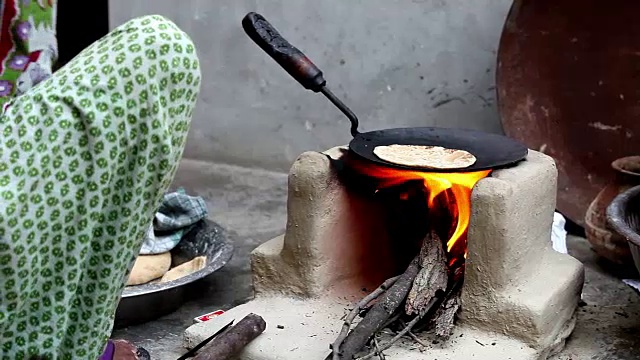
pixel 288 56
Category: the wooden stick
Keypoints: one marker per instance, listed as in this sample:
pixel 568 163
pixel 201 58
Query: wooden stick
pixel 229 344
pixel 380 312
pixel 412 335
pixel 356 310
pixel 391 320
pixel 404 331
pixel 445 316
pixel 380 353
pixel 436 300
pixel 191 353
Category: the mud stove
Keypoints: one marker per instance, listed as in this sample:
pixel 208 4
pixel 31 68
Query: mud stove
pixel 518 297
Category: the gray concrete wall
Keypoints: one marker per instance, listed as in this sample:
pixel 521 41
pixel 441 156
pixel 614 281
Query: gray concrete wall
pixel 395 62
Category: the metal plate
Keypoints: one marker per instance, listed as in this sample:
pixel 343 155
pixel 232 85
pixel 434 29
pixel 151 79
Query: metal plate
pixel 567 78
pixel 491 150
pixel 147 302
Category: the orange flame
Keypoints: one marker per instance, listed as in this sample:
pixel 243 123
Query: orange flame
pixel 459 184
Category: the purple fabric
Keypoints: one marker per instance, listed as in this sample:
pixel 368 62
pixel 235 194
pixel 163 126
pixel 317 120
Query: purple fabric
pixel 108 351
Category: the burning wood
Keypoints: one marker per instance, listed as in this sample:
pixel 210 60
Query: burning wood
pixel 428 291
pixel 432 276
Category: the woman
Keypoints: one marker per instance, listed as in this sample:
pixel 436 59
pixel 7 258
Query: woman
pixel 85 157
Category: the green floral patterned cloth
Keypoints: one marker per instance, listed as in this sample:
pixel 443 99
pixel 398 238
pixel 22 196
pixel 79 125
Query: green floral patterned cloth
pixel 85 158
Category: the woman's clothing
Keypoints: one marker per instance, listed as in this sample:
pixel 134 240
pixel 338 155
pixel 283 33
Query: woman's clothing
pixel 85 158
pixel 28 45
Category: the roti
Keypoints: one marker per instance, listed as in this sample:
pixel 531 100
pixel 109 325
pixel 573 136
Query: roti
pixel 433 157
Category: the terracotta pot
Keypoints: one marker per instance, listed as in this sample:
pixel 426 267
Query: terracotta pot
pixel 604 240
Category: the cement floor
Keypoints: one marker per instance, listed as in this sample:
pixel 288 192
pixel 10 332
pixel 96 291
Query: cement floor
pixel 251 205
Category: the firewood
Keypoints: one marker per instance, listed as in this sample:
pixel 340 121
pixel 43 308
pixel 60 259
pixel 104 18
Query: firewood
pixel 432 277
pixel 346 326
pixel 229 344
pixel 379 313
pixel 445 316
pixel 434 302
pixel 379 349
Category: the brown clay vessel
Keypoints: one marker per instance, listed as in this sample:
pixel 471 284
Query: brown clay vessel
pixel 605 241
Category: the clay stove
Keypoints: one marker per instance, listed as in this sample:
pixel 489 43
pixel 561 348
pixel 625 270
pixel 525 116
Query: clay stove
pixel 518 298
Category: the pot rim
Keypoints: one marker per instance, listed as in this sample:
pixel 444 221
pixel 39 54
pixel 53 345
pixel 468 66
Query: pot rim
pixel 624 163
pixel 616 215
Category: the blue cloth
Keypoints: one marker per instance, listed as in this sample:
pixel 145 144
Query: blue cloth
pixel 177 214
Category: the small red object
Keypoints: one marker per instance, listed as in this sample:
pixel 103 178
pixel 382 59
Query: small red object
pixel 209 316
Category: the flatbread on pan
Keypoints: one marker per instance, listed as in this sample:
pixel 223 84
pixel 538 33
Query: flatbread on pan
pixel 433 157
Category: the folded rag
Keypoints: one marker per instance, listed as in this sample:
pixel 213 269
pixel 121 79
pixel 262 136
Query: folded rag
pixel 177 214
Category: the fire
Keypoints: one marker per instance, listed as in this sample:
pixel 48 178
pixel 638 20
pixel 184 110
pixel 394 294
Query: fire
pixel 454 187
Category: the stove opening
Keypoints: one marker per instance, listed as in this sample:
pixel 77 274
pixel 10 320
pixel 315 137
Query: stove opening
pixel 426 216
pixel 417 203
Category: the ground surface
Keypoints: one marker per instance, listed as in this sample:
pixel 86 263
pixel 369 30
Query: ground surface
pixel 608 326
pixel 251 205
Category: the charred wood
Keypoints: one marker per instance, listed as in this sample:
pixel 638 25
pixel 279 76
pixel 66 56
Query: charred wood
pixel 444 318
pixel 357 310
pixel 378 315
pixel 435 302
pixel 433 275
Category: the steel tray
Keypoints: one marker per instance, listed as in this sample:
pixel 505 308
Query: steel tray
pixel 142 303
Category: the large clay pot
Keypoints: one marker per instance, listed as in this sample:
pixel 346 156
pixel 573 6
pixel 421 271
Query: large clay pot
pixel 605 241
